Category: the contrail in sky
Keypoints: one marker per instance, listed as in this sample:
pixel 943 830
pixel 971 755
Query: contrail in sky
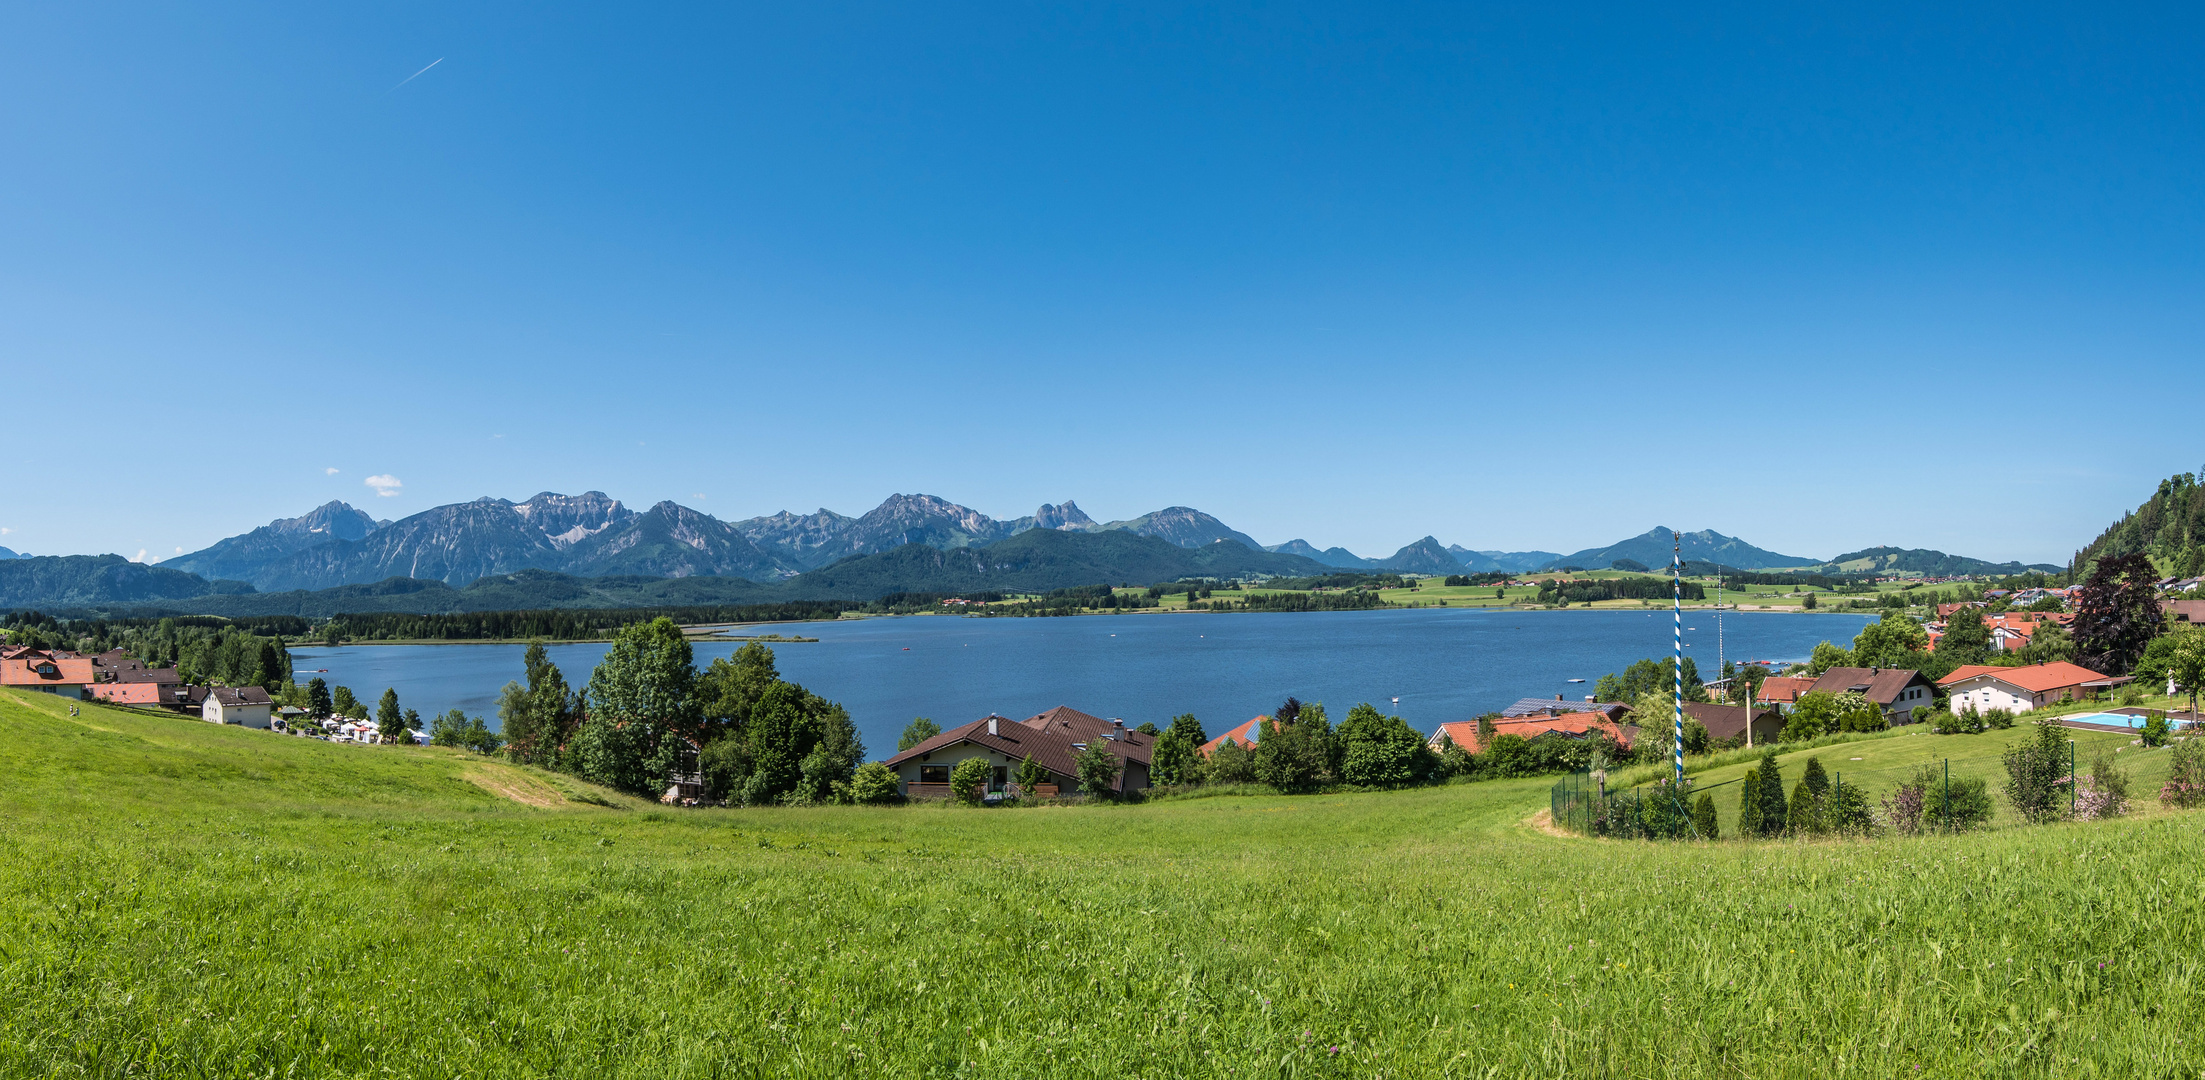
pixel 418 74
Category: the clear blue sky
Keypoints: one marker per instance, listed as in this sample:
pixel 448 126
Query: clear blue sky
pixel 1517 278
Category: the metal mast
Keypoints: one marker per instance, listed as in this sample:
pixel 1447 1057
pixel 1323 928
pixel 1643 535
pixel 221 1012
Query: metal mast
pixel 1676 591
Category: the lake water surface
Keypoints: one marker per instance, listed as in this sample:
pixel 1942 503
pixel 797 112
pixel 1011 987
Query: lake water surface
pixel 1224 668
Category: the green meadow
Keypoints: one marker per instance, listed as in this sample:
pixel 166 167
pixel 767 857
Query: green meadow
pixel 179 899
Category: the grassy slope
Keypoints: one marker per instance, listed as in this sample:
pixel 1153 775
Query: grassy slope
pixel 179 899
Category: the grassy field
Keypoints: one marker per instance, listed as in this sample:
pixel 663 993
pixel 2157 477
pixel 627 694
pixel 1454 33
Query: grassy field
pixel 178 899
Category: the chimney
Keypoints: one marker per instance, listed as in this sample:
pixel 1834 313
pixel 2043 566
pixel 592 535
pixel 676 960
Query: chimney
pixel 1117 728
pixel 991 725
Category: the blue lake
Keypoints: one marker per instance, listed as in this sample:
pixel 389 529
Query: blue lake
pixel 1224 668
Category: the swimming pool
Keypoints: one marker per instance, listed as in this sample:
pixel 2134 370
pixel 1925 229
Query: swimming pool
pixel 2119 720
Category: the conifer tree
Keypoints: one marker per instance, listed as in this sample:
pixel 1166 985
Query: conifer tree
pixel 1817 780
pixel 1771 791
pixel 1806 810
pixel 1703 818
pixel 1749 804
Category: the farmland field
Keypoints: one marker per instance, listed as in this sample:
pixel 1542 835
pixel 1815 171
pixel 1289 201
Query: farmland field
pixel 179 899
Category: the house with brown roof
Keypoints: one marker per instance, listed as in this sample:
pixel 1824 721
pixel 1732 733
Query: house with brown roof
pixel 1569 725
pixel 2183 611
pixel 2020 689
pixel 1729 721
pixel 1897 691
pixel 48 673
pixel 1054 739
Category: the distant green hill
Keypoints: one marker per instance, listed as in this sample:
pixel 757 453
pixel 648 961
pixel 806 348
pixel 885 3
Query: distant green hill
pixel 72 580
pixel 1891 560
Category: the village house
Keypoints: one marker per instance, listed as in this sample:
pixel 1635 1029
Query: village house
pixel 2183 611
pixel 1729 721
pixel 1782 690
pixel 1532 706
pixel 48 672
pixel 1897 691
pixel 122 679
pixel 249 706
pixel 1245 734
pixel 2020 689
pixel 1054 739
pixel 1567 725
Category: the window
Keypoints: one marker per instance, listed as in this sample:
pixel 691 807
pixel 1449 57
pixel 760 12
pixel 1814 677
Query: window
pixel 934 774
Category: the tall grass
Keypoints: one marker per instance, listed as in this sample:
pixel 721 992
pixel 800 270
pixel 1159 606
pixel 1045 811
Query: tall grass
pixel 183 900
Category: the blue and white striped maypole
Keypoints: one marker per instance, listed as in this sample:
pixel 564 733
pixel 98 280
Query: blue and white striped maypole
pixel 1676 589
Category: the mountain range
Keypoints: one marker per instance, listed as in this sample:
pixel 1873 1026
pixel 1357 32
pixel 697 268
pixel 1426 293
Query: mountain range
pixel 590 549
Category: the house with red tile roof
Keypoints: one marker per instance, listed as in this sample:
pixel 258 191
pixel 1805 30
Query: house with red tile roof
pixel 48 673
pixel 1782 689
pixel 1569 725
pixel 2020 689
pixel 1245 734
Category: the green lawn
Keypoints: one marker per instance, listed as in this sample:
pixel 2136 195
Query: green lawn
pixel 178 899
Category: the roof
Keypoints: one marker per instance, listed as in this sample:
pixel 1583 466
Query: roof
pixel 1880 685
pixel 1725 721
pixel 37 669
pixel 1572 725
pixel 1786 688
pixel 1530 705
pixel 1052 748
pixel 1084 727
pixel 232 696
pixel 2036 678
pixel 1246 735
pixel 2192 611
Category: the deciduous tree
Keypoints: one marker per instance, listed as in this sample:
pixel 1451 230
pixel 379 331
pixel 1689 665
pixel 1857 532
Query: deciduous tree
pixel 2117 614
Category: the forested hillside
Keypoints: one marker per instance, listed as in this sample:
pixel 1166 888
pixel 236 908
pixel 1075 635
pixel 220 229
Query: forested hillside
pixel 2169 527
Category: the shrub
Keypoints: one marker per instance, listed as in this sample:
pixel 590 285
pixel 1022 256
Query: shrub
pixel 1098 769
pixel 2185 786
pixel 968 782
pixel 1703 818
pixel 1749 804
pixel 1295 754
pixel 1816 712
pixel 1031 776
pixel 2036 773
pixel 1847 812
pixel 2155 728
pixel 2106 795
pixel 1998 718
pixel 1947 722
pixel 1902 809
pixel 1958 804
pixel 872 784
pixel 1230 763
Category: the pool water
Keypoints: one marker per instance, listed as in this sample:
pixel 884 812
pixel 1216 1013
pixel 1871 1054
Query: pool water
pixel 2119 720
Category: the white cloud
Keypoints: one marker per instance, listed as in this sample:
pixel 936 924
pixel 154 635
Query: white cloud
pixel 139 557
pixel 329 472
pixel 179 551
pixel 385 485
pixel 4 530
